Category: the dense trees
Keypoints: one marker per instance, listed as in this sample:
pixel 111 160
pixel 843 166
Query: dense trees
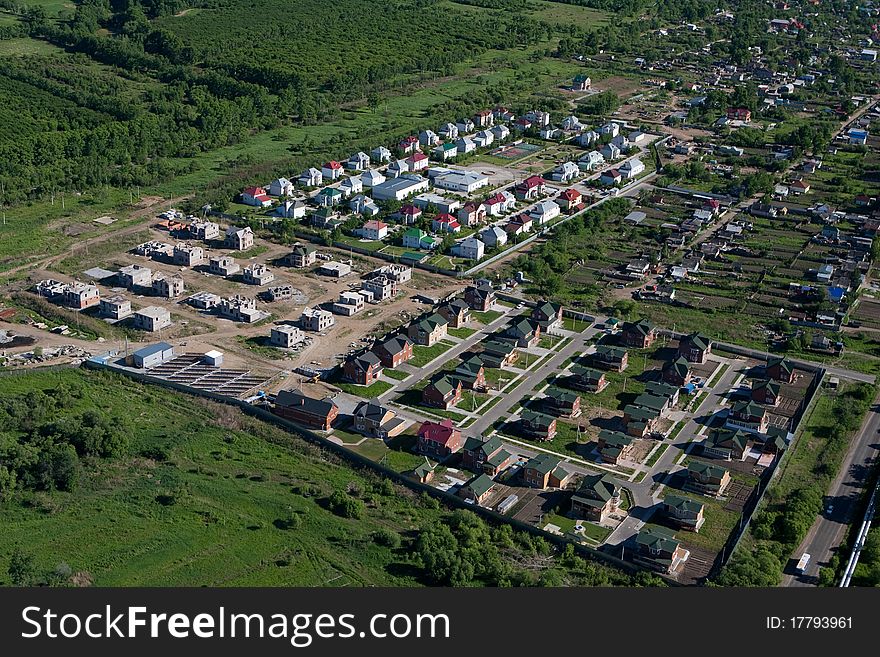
pixel 42 444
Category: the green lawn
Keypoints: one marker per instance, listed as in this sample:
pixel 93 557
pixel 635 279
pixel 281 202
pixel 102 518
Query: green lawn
pixel 366 392
pixel 487 317
pixel 463 332
pixel 400 375
pixel 423 355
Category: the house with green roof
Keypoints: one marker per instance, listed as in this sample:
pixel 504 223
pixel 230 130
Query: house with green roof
pixel 428 330
pixel 640 335
pixel 749 416
pixel 561 402
pixel 652 402
pixel 677 372
pixel 597 497
pixel 660 389
pixel 524 331
pixel 547 315
pixel 655 548
pixel 765 392
pixel 424 472
pixel 694 348
pixel 684 512
pixel 545 471
pixel 537 425
pixel 499 353
pixel 487 456
pixel 479 489
pixel 640 421
pixel 471 373
pixel 416 238
pixel 442 391
pixel 706 478
pixel 727 444
pixel 780 368
pixel 587 379
pixel 614 446
pixel 609 357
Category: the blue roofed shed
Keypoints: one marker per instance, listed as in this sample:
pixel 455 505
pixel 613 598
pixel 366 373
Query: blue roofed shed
pixel 152 355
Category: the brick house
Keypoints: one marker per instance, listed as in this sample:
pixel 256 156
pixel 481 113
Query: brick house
pixel 545 471
pixel 749 416
pixel 479 297
pixel 394 351
pixel 656 549
pixel 694 348
pixel 614 446
pixel 677 372
pixel 640 335
pixel 526 332
pixel 765 392
pixel 486 456
pixel 377 421
pixel 562 403
pixel 315 413
pixel 479 489
pixel 538 425
pixel 429 330
pixel 457 312
pixel 611 358
pixel 471 373
pixel 547 315
pixel 597 497
pixel 499 353
pixel 439 439
pixel 364 369
pixel 684 512
pixel 727 444
pixel 780 369
pixel 707 478
pixel 587 379
pixel 443 392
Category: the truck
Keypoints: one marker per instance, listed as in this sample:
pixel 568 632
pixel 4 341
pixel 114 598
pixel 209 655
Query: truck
pixel 802 563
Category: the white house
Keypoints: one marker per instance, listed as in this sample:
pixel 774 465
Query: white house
pixel 610 151
pixel 587 138
pixel 484 138
pixel 281 187
pixel 428 138
pixel 611 129
pixel 255 196
pixel 591 161
pixel 493 236
pixel 538 118
pixel 462 181
pixel 291 209
pixel 464 126
pixel 398 168
pixel 469 248
pixel 380 154
pixel 363 205
pixel 374 230
pixel 449 131
pixel 565 172
pixel 572 124
pixel 631 168
pixel 417 161
pixel 445 151
pixel 332 170
pixel 351 186
pixel 372 178
pixel 544 212
pixel 500 132
pixel 465 145
pixel 399 188
pixel 311 177
pixel 360 161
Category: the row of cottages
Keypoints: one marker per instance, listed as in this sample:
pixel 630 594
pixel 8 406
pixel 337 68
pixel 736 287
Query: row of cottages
pixel 614 446
pixel 429 330
pixel 642 416
pixel 442 391
pixel 638 335
pixel 694 348
pixel 706 479
pixel 364 369
pixel 610 357
pixel 537 426
pixel 586 379
pixel 779 368
pixel 561 402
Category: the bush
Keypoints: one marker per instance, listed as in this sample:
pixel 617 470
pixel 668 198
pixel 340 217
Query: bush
pixel 386 538
pixel 346 506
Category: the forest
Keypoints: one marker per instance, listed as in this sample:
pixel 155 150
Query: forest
pixel 133 83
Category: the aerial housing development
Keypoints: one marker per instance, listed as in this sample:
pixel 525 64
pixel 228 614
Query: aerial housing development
pixel 613 293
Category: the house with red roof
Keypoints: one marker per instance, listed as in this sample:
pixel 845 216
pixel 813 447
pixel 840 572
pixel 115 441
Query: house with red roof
pixel 374 230
pixel 445 223
pixel 409 214
pixel 519 225
pixel 408 145
pixel 472 214
pixel 522 124
pixel 496 205
pixel 739 114
pixel 483 119
pixel 611 177
pixel 530 188
pixel 256 196
pixel 417 161
pixel 570 199
pixel 439 439
pixel 332 170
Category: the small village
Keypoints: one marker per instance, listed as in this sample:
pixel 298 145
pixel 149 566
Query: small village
pixel 608 329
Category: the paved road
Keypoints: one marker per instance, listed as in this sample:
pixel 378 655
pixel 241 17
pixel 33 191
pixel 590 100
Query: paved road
pixel 828 532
